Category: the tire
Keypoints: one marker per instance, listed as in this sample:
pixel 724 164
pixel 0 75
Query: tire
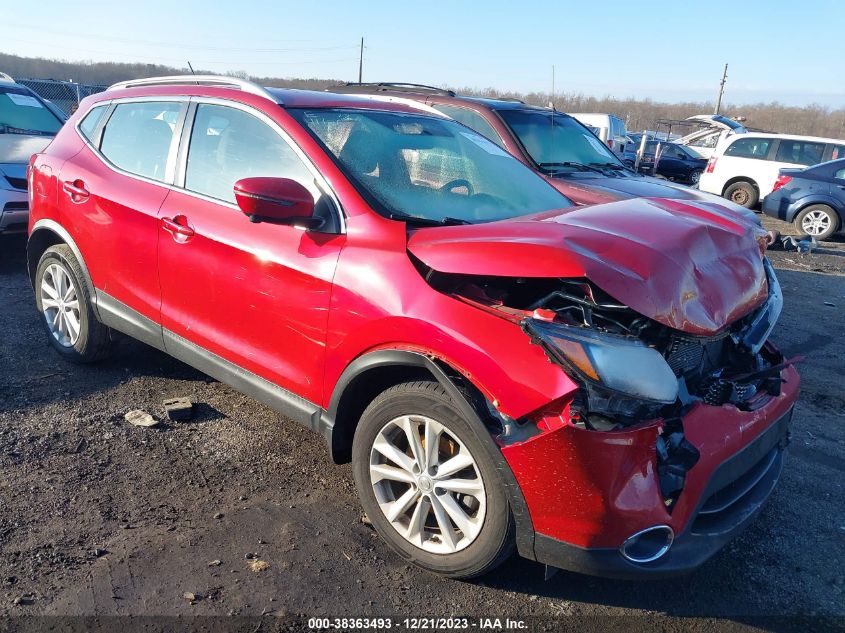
pixel 423 407
pixel 695 176
pixel 742 193
pixel 818 220
pixel 59 273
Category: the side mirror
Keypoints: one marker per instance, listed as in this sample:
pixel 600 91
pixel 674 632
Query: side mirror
pixel 276 201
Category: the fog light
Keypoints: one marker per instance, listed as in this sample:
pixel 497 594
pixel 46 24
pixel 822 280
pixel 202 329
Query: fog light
pixel 648 545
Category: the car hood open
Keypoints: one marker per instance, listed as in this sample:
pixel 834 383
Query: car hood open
pixel 690 265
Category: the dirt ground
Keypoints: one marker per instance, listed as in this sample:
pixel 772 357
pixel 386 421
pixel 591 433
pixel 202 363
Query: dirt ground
pixel 100 518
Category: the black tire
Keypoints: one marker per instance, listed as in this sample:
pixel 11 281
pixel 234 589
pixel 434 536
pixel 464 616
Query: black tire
pixel 742 193
pixel 495 542
pixel 819 211
pixel 695 176
pixel 93 340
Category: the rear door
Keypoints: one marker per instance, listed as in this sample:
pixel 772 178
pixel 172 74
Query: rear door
pixel 110 195
pixel 255 295
pixel 747 157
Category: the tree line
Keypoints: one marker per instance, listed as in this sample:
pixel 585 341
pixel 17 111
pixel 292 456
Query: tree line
pixel 638 114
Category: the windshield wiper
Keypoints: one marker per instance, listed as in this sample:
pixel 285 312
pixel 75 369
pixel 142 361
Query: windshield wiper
pixel 609 165
pixel 574 165
pixel 419 221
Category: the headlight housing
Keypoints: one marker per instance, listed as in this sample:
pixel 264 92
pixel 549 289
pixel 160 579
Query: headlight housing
pixel 756 333
pixel 620 364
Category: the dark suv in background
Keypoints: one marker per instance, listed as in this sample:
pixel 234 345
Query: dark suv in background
pixel 554 144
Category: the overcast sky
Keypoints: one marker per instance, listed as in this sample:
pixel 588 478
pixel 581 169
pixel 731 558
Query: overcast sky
pixel 778 50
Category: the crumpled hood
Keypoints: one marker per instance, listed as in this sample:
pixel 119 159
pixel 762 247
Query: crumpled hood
pixel 690 265
pixel 17 148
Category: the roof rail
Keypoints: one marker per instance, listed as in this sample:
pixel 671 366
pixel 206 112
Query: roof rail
pixel 5 77
pixel 390 86
pixel 205 80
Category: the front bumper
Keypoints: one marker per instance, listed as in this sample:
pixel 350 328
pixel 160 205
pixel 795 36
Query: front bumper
pixel 588 491
pixel 14 210
pixel 733 496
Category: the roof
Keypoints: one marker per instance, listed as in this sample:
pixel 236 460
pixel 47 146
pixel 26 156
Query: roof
pixel 220 87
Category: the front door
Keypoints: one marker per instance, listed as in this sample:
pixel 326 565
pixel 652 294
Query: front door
pixel 254 294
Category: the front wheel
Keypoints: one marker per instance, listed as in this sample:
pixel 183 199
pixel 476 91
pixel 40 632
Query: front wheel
pixel 428 485
pixel 818 221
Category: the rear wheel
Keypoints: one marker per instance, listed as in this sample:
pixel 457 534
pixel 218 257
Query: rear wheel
pixel 67 314
pixel 695 176
pixel 427 484
pixel 818 220
pixel 742 193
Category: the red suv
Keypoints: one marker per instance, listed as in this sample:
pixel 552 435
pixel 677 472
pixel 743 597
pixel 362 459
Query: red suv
pixel 592 385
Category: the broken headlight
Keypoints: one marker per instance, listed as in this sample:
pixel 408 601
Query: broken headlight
pixel 619 363
pixel 755 334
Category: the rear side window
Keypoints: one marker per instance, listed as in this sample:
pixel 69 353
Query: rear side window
pixel 839 174
pixel 749 148
pixel 89 123
pixel 137 137
pixel 800 152
pixel 228 144
pixel 837 151
pixel 471 119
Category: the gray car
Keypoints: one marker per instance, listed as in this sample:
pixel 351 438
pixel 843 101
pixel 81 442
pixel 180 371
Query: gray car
pixel 27 125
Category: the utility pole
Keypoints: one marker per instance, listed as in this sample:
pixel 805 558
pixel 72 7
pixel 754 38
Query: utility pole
pixel 361 62
pixel 721 89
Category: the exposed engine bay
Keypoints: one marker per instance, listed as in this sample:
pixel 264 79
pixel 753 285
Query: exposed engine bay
pixel 732 367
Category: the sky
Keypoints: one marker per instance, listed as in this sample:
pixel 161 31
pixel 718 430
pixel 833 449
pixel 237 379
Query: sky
pixel 778 50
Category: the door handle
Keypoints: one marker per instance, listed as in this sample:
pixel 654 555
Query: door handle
pixel 176 228
pixel 76 190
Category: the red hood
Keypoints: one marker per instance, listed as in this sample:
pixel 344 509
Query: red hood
pixel 693 266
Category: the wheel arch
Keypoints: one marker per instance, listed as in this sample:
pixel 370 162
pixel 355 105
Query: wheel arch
pixel 370 374
pixel 47 233
pixel 736 179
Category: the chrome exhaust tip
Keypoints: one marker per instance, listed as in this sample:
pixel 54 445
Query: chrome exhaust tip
pixel 648 545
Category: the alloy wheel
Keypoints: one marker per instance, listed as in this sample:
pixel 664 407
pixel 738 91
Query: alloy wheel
pixel 816 222
pixel 427 484
pixel 60 305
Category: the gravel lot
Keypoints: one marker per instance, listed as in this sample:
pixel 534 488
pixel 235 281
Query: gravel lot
pixel 98 517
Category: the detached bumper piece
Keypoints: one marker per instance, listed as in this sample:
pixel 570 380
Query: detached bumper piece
pixel 733 496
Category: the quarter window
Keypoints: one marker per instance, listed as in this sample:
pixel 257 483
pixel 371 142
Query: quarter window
pixel 800 152
pixel 471 119
pixel 228 144
pixel 138 136
pixel 839 174
pixel 749 148
pixel 89 123
pixel 837 152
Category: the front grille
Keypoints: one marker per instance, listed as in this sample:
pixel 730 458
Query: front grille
pixel 17 183
pixel 684 356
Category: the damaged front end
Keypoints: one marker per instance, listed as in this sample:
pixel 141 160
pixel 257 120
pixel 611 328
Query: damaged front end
pixel 630 369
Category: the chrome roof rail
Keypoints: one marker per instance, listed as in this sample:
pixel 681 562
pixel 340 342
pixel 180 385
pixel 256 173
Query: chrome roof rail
pixel 203 80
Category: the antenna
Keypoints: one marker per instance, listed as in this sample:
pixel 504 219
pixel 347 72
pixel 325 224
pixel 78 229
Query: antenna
pixel 552 100
pixel 191 67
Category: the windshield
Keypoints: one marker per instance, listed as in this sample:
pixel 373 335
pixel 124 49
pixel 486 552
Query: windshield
pixel 22 113
pixel 556 140
pixel 413 166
